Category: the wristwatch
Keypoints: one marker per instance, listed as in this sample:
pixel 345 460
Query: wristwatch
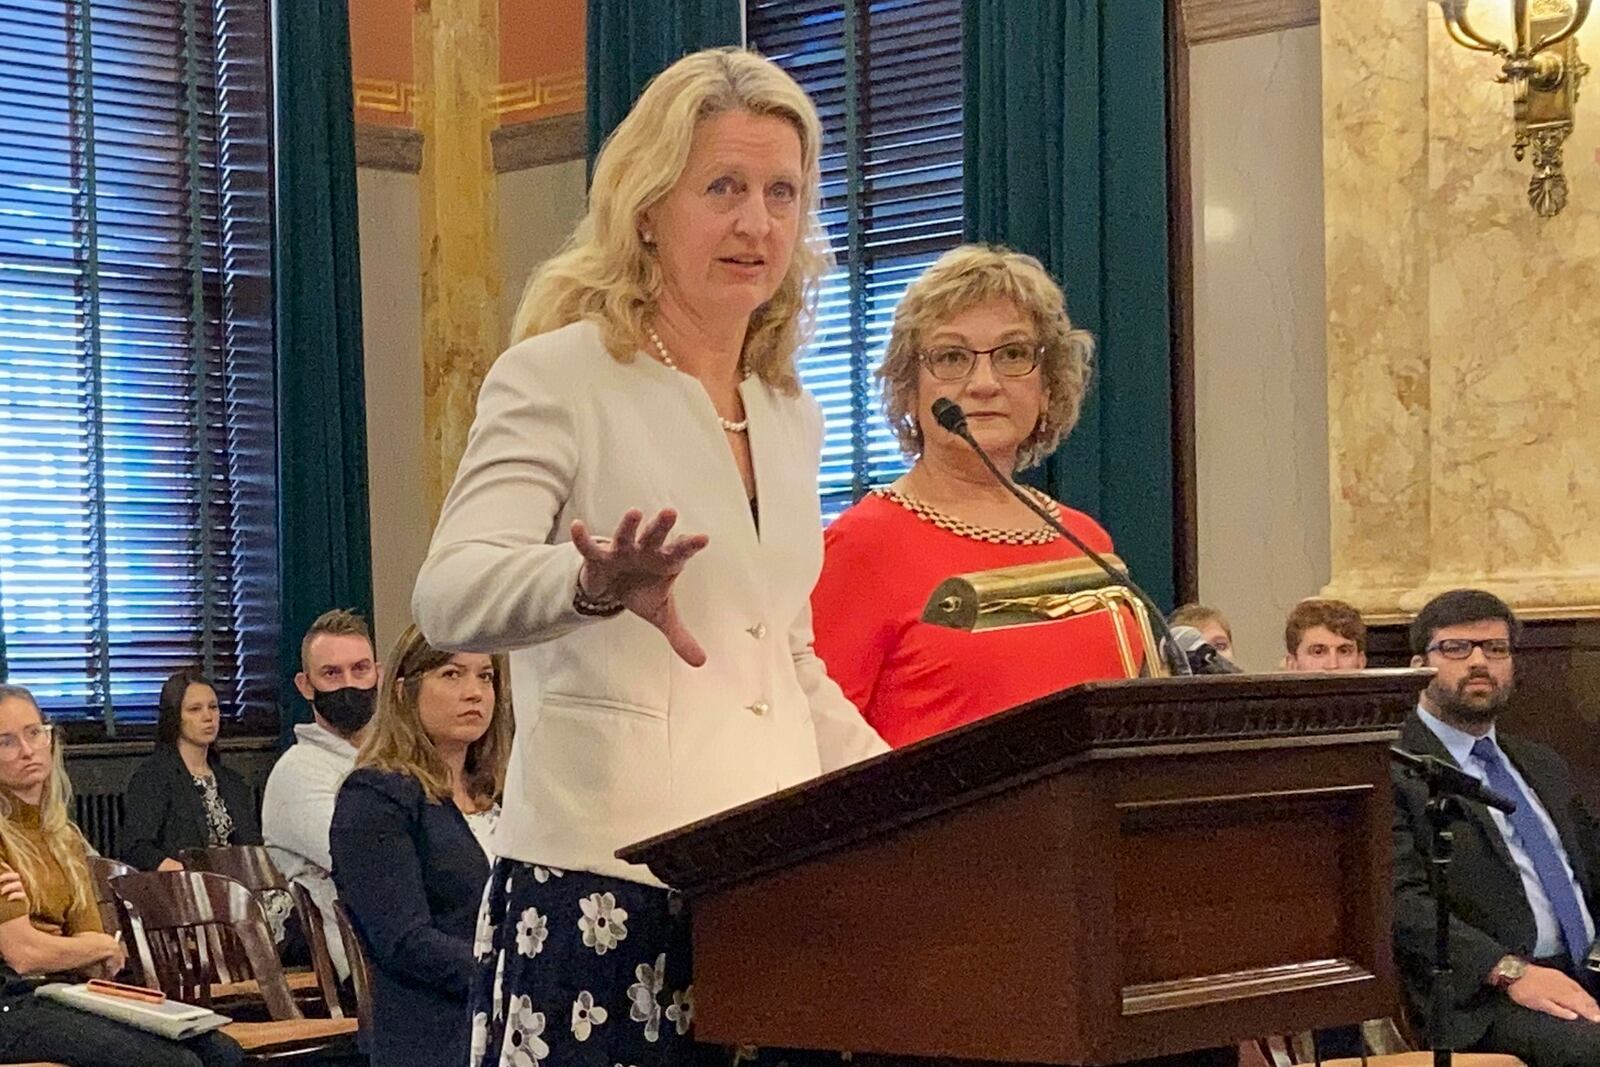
pixel 1508 970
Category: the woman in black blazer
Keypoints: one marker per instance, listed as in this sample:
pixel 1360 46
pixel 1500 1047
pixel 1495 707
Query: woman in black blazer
pixel 407 861
pixel 182 796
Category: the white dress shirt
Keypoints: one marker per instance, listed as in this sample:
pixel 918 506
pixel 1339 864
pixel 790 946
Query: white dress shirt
pixel 617 738
pixel 1459 744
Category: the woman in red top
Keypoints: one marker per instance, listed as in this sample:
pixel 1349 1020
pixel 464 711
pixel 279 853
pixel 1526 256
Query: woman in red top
pixel 988 329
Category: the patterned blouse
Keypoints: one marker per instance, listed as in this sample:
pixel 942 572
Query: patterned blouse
pixel 219 824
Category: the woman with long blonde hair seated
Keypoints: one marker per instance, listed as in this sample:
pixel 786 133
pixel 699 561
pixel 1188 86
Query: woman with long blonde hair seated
pixel 408 842
pixel 49 924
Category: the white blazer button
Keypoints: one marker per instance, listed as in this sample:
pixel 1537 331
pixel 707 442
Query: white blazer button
pixel 760 707
pixel 758 631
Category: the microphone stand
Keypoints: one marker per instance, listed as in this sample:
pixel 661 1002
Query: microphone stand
pixel 949 415
pixel 1443 808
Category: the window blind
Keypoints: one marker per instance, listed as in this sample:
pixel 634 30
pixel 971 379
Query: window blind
pixel 886 79
pixel 137 503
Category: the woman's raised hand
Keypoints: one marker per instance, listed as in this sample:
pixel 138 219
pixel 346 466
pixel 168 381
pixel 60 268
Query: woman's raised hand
pixel 636 567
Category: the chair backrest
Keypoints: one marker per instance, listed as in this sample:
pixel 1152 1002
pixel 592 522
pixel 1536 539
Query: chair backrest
pixel 355 950
pixel 192 929
pixel 316 934
pixel 101 870
pixel 249 865
pixel 252 867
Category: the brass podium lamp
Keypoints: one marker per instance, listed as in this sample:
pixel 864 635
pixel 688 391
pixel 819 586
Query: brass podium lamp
pixel 1544 71
pixel 1043 592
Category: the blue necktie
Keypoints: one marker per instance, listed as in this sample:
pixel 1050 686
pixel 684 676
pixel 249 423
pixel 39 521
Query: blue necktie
pixel 1558 887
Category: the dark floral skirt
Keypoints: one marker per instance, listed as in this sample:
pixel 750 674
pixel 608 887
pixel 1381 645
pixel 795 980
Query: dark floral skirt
pixel 582 970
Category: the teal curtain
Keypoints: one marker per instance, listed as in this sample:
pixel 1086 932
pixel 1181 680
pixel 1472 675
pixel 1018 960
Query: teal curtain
pixel 631 41
pixel 324 535
pixel 1065 110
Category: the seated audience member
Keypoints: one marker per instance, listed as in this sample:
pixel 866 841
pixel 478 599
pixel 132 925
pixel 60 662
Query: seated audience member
pixel 407 861
pixel 49 924
pixel 1212 624
pixel 988 329
pixel 182 796
pixel 1324 635
pixel 339 678
pixel 1522 886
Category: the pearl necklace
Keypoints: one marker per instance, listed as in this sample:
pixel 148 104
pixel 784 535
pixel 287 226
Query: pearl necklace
pixel 742 426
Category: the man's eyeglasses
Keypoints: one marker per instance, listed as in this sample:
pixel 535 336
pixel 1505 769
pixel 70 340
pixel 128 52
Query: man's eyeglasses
pixel 952 363
pixel 1461 647
pixel 37 736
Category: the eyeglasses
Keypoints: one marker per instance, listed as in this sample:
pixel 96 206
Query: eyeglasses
pixel 1461 647
pixel 952 363
pixel 37 736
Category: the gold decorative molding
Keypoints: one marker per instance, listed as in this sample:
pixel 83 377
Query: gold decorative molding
pixel 524 145
pixel 1221 20
pixel 385 95
pixel 395 148
pixel 531 93
pixel 389 96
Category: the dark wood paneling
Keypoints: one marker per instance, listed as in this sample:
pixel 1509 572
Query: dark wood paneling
pixel 1123 870
pixel 1557 700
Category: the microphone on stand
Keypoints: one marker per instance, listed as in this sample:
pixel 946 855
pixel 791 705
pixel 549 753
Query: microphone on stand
pixel 1448 778
pixel 1203 656
pixel 949 415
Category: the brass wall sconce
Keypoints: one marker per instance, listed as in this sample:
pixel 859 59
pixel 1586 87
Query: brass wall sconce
pixel 1543 71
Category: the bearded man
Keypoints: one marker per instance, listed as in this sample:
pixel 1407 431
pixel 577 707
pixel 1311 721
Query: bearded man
pixel 1522 887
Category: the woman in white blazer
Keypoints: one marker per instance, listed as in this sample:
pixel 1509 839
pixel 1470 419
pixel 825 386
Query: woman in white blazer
pixel 658 676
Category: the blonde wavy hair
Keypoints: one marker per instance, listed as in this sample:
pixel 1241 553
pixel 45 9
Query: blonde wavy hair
pixel 606 274
pixel 64 841
pixel 963 278
pixel 398 743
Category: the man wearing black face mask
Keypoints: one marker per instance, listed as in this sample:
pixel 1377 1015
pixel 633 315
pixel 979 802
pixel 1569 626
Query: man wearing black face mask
pixel 339 679
pixel 1524 888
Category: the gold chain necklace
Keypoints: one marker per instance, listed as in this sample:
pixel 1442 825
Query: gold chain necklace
pixel 928 513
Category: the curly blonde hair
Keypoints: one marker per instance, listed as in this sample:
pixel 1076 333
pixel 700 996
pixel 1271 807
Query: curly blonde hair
pixel 963 278
pixel 398 743
pixel 607 274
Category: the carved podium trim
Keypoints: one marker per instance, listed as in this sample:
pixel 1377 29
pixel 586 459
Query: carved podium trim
pixel 1221 988
pixel 1037 740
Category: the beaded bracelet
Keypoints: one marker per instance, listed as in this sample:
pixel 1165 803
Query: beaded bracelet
pixel 595 607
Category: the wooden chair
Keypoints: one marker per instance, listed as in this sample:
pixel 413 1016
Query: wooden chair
pixel 355 950
pixel 179 918
pixel 252 867
pixel 1387 1048
pixel 101 871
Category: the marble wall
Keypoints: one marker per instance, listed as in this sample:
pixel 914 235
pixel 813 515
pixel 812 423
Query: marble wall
pixel 1260 373
pixel 1462 328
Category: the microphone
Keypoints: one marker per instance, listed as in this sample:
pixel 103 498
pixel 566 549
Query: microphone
pixel 1203 658
pixel 948 414
pixel 1448 778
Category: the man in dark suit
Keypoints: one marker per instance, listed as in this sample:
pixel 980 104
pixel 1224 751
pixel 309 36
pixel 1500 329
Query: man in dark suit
pixel 1522 888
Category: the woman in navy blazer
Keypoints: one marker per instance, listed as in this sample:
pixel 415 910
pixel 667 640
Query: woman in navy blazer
pixel 182 796
pixel 406 861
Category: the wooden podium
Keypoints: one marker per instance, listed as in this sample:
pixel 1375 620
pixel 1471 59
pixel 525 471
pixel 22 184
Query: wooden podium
pixel 1121 871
